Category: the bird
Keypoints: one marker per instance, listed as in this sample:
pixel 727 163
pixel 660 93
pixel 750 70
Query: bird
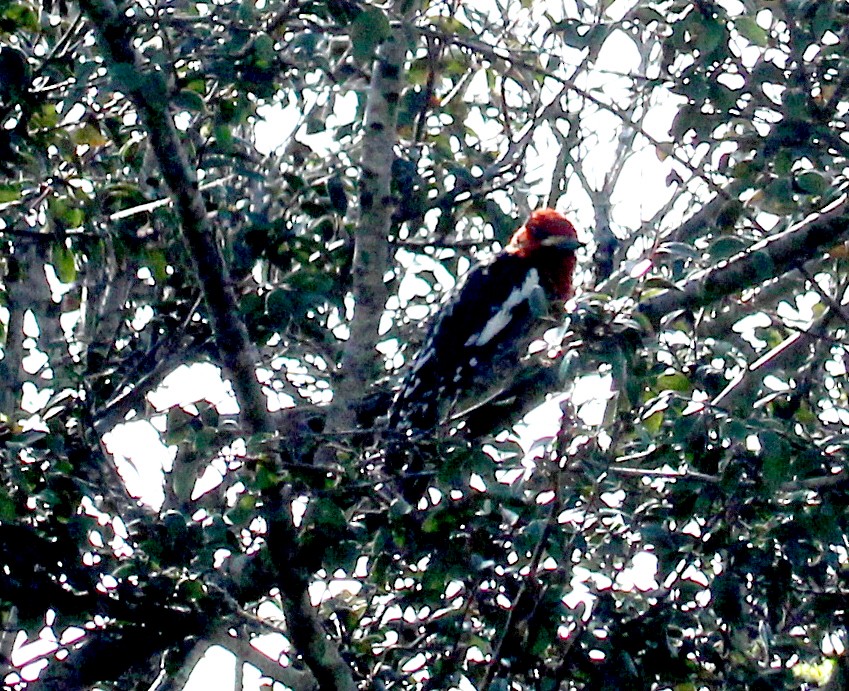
pixel 485 326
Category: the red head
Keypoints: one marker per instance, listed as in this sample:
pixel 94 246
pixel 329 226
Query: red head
pixel 549 240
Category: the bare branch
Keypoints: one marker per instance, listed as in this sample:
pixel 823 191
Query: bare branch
pixel 764 260
pixel 371 250
pixel 178 680
pixel 291 678
pixel 148 90
pixel 742 390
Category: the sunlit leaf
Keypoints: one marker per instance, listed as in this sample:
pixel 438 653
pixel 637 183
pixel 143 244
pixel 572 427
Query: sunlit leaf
pixel 64 262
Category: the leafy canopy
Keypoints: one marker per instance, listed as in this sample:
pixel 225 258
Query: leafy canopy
pixel 284 190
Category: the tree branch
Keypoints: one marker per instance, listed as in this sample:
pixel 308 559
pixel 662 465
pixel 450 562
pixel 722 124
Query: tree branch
pixel 178 680
pixel 291 678
pixel 743 389
pixel 371 246
pixel 764 260
pixel 146 86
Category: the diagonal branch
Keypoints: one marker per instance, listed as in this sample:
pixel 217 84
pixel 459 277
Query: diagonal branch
pixel 292 678
pixel 147 89
pixel 765 260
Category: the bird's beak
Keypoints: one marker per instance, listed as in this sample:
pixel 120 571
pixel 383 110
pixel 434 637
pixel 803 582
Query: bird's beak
pixel 562 242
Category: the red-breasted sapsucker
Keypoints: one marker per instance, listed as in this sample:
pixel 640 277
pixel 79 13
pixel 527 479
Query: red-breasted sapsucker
pixel 488 321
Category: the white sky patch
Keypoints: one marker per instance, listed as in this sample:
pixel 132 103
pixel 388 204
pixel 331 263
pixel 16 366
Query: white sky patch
pixel 141 458
pixel 212 476
pixel 747 325
pixel 34 399
pixel 276 126
pixel 223 662
pixel 198 382
pixel 137 447
pixel 414 264
pixel 775 384
pixel 836 367
pixel 30 326
pixel 32 649
pixel 74 115
pixel 640 575
pixel 591 396
pixel 142 317
pixel 34 361
pixel 801 312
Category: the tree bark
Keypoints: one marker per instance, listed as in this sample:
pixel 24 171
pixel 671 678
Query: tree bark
pixel 371 250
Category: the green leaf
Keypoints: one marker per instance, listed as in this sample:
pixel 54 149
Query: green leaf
pixel 569 366
pixel 367 31
pixel 709 34
pixel 656 284
pixel 528 538
pixel 749 29
pixel 726 247
pixel 653 422
pixel 197 85
pixel 189 100
pixel 90 135
pixel 279 305
pixel 674 381
pixel 726 595
pixel 65 213
pixel 223 137
pixel 243 511
pixel 776 460
pixel 823 19
pixel 263 51
pixel 183 478
pixel 179 425
pixel 251 306
pixel 46 116
pixel 63 261
pixel 7 506
pixel 678 249
pixel 400 508
pixel 9 193
pixel 192 589
pixel 576 34
pixel 812 183
pixel 157 262
pixel 795 126
pixel 20 14
pixel 736 430
pixel 325 515
pixel 265 478
pixel 205 438
pixel 776 199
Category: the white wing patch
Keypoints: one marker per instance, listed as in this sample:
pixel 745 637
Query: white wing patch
pixel 502 317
